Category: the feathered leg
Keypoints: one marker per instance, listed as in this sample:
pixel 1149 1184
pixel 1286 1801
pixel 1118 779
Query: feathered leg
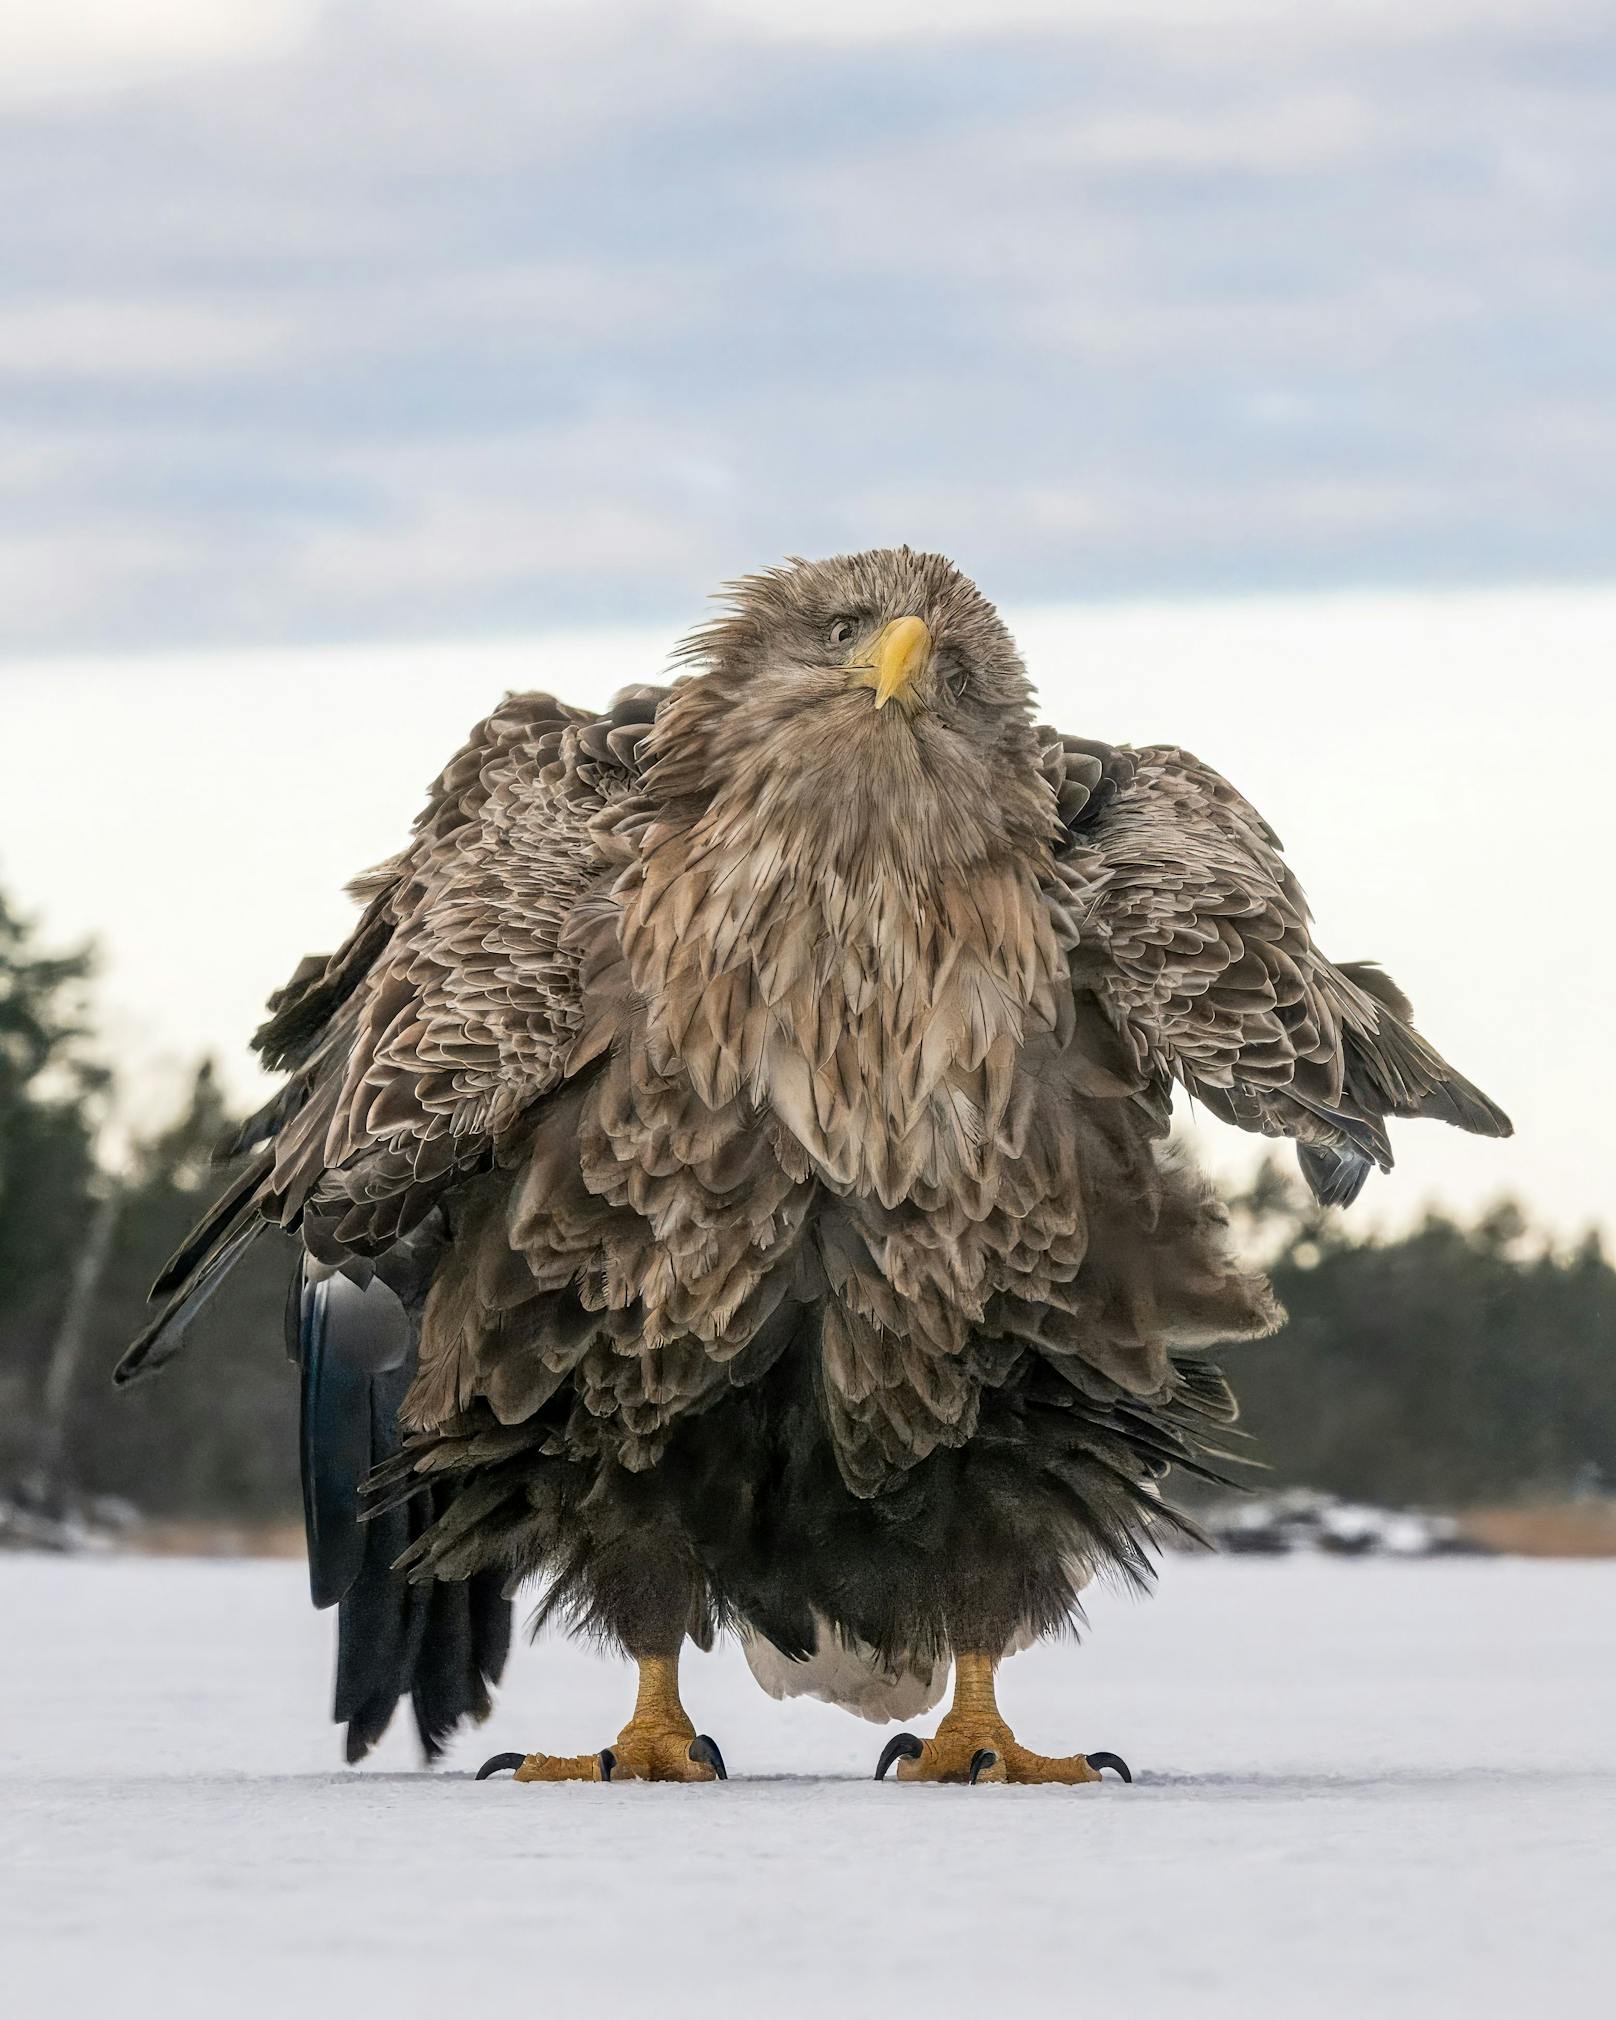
pixel 659 1743
pixel 974 1744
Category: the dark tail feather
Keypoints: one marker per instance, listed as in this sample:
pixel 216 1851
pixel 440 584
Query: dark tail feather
pixel 468 1635
pixel 353 1346
pixel 381 1628
pixel 441 1645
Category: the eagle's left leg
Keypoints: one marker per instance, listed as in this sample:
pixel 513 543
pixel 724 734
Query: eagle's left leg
pixel 659 1743
pixel 974 1744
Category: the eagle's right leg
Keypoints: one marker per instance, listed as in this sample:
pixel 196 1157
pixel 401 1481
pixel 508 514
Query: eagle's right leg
pixel 636 1584
pixel 659 1743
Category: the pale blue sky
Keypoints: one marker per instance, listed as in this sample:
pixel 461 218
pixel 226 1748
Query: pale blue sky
pixel 351 320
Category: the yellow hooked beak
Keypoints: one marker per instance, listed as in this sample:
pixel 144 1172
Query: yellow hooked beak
pixel 898 654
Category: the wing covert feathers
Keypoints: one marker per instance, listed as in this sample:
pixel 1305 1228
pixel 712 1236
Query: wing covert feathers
pixel 1184 920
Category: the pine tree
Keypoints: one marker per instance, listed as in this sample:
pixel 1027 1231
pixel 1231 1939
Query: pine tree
pixel 1446 1367
pixel 50 1092
pixel 216 1434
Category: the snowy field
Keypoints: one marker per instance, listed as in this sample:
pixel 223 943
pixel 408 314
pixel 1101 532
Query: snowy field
pixel 1364 1788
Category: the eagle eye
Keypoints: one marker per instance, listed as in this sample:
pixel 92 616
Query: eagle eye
pixel 841 631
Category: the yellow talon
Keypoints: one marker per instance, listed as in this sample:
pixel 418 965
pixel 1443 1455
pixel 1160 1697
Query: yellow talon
pixel 974 1744
pixel 659 1743
pixel 557 1767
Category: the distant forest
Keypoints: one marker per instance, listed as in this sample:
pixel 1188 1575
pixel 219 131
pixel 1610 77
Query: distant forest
pixel 1451 1366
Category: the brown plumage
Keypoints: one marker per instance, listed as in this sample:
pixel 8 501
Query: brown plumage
pixel 757 1098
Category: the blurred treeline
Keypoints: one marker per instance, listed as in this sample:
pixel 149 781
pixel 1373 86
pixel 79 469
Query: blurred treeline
pixel 1450 1366
pixel 216 1435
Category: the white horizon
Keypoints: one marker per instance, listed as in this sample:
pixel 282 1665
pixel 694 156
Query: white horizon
pixel 1431 758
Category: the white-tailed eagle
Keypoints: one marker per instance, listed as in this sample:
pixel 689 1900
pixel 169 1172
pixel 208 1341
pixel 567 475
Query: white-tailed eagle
pixel 729 1157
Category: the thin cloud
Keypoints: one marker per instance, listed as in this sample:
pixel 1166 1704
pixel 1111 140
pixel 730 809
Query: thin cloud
pixel 431 318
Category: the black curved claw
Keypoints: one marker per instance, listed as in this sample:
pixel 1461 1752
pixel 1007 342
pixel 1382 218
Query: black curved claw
pixel 498 1763
pixel 704 1752
pixel 981 1761
pixel 901 1746
pixel 1109 1760
pixel 608 1760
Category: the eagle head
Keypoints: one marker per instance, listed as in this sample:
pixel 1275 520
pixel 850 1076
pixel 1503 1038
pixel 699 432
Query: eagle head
pixel 868 705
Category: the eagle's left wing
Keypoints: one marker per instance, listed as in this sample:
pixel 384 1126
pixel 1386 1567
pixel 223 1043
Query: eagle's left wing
pixel 1189 928
pixel 454 1005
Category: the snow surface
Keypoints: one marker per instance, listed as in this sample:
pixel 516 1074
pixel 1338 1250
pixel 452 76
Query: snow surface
pixel 1367 1788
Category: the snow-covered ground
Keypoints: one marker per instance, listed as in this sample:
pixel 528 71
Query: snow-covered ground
pixel 1363 1788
